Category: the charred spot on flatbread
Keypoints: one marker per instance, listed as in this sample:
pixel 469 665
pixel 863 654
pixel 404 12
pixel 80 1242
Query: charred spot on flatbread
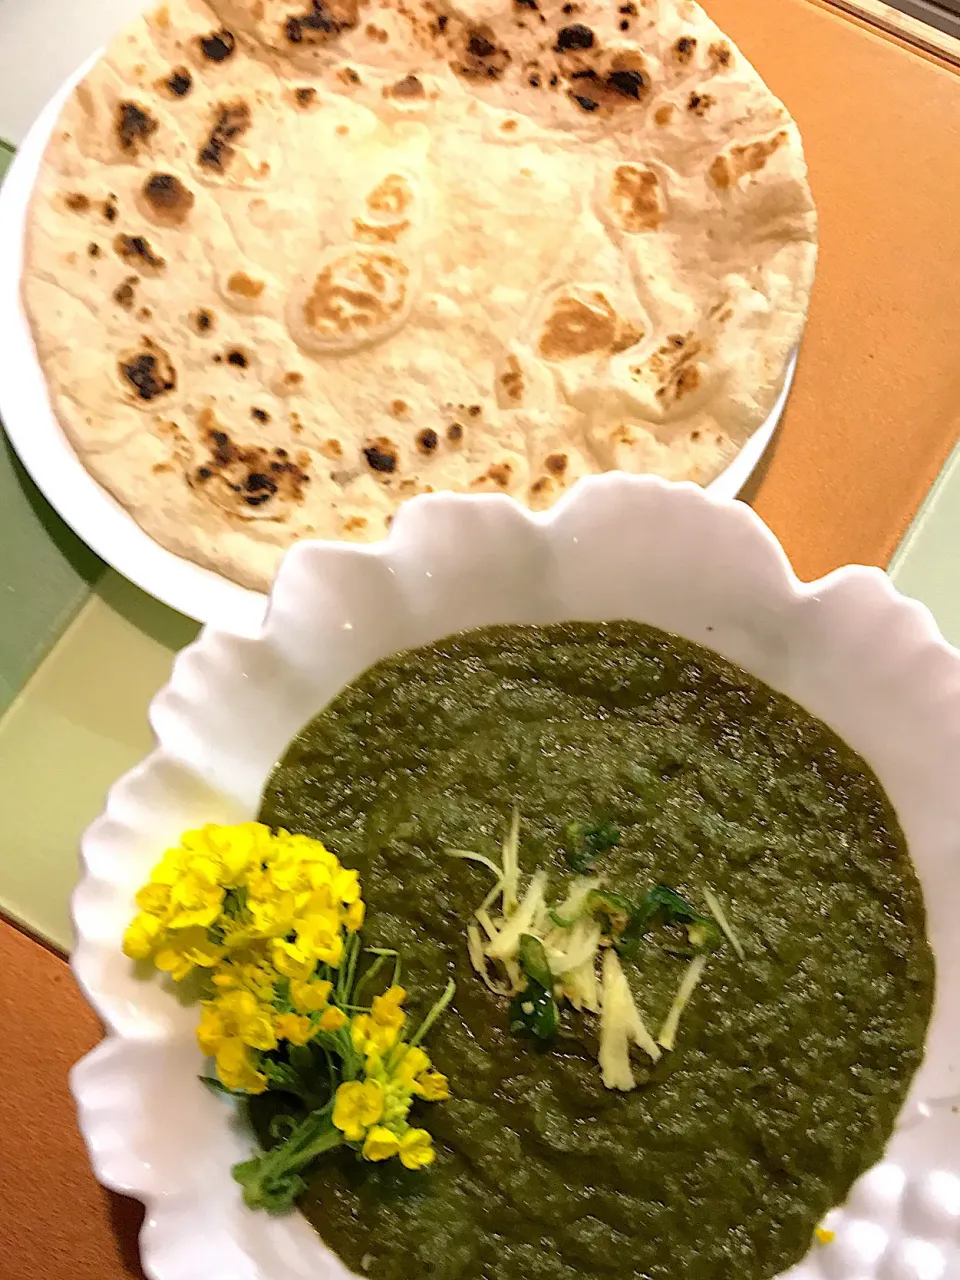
pixel 683 49
pixel 742 161
pixel 322 22
pixel 409 87
pixel 136 251
pixel 511 379
pixel 239 359
pixel 613 82
pixel 243 286
pixel 381 456
pixel 497 476
pixel 481 57
pixel 248 480
pixel 231 122
pixel 721 56
pixel 578 326
pixel 167 198
pixel 76 202
pixel 635 199
pixel 133 127
pixel 427 440
pixel 147 372
pixel 700 103
pixel 356 296
pixel 218 46
pixel 179 82
pixel 576 36
pixel 202 320
pixel 305 96
pixel 123 294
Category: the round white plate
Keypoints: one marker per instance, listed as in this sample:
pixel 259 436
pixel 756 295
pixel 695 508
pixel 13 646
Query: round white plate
pixel 93 514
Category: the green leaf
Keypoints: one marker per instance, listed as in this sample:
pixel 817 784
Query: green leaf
pixel 218 1087
pixel 533 960
pixel 534 1010
pixel 585 842
pixel 703 931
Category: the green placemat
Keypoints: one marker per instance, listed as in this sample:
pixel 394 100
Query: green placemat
pixel 45 570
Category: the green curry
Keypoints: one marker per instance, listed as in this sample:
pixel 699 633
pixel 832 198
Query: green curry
pixel 789 1067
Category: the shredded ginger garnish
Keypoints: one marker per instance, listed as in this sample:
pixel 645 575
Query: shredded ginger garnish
pixel 578 947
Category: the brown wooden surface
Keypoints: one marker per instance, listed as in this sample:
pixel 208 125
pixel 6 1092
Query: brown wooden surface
pixel 874 412
pixel 56 1222
pixel 876 406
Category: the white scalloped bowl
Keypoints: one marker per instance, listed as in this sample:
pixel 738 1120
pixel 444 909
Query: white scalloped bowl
pixel 849 648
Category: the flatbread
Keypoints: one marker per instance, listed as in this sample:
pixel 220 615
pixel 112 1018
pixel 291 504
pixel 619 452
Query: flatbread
pixel 289 264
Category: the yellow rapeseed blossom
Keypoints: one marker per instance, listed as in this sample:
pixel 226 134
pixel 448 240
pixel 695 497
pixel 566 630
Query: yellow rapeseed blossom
pixel 237 1068
pixel 309 997
pixel 183 950
pixel 236 1015
pixel 268 918
pixel 294 1027
pixel 141 936
pixel 354 916
pixel 333 1020
pixel 432 1086
pixel 371 1037
pixel 248 971
pixel 380 1144
pixel 385 1010
pixel 416 1149
pixel 357 1107
pixel 407 1063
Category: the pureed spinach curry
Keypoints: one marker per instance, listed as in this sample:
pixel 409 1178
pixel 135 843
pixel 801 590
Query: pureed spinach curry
pixel 789 1067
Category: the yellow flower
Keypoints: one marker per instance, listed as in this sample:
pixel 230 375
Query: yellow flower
pixel 291 961
pixel 232 850
pixel 409 1062
pixel 385 1010
pixel 309 997
pixel 368 1036
pixel 236 1015
pixel 184 950
pixel 825 1235
pixel 293 1027
pixel 380 1144
pixel 194 900
pixel 333 1020
pixel 247 971
pixel 318 935
pixel 211 1030
pixel 346 885
pixel 354 915
pixel 237 1068
pixel 142 934
pixel 154 899
pixel 356 1107
pixel 416 1149
pixel 432 1086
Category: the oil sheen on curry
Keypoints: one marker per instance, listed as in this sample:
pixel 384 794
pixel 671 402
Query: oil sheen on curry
pixel 617 761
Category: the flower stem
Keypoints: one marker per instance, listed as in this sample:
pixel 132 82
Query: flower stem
pixel 272 1181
